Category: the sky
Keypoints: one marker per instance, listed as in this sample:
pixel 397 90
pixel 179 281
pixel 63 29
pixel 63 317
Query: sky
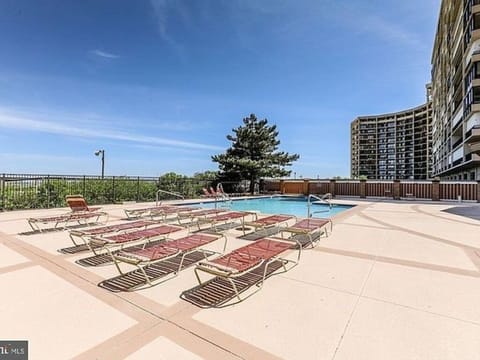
pixel 159 84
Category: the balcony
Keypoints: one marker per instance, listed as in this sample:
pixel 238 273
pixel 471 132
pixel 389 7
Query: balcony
pixel 457 117
pixel 475 148
pixel 472 135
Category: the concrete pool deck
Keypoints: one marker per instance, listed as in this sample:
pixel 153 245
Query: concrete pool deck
pixel 395 280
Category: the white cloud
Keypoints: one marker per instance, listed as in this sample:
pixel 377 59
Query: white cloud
pixel 104 54
pixel 162 11
pixel 30 123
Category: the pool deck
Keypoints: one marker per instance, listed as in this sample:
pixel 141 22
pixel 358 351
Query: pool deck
pixel 395 280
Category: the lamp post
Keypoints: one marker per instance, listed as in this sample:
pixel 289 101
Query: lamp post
pixel 102 152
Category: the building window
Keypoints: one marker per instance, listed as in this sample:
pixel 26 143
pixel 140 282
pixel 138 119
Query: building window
pixel 476 21
pixel 476 95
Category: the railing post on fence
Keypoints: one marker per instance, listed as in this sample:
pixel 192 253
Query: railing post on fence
pixel 113 189
pixel 332 187
pixel 282 186
pixel 478 191
pixel 306 186
pixel 138 188
pixel 435 190
pixel 363 189
pixel 84 187
pixel 48 191
pixel 2 183
pixel 396 190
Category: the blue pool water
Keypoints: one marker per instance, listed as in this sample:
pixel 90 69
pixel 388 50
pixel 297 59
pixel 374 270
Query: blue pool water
pixel 281 205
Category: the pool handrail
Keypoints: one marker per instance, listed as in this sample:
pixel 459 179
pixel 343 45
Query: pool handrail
pixel 157 202
pixel 324 199
pixel 221 195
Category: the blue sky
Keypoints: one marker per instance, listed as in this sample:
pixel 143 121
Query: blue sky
pixel 159 84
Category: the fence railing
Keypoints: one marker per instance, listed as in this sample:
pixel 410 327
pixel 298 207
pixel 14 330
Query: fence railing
pixel 394 189
pixel 29 191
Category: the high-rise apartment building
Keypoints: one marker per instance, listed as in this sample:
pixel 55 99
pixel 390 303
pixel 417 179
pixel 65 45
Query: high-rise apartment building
pixel 392 146
pixel 456 91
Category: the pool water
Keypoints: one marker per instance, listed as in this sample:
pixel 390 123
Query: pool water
pixel 281 205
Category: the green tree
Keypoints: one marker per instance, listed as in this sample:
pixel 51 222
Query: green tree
pixel 254 153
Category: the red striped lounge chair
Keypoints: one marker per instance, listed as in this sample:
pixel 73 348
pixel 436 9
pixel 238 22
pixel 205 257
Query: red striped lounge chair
pixel 177 211
pixel 157 211
pixel 116 241
pixel 245 260
pixel 206 193
pixel 268 222
pixel 64 220
pixel 184 246
pixel 145 212
pixel 309 227
pixel 77 203
pixel 227 217
pixel 195 216
pixel 85 234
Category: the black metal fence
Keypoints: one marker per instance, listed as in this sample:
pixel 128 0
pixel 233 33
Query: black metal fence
pixel 30 191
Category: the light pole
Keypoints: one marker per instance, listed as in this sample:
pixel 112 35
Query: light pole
pixel 102 152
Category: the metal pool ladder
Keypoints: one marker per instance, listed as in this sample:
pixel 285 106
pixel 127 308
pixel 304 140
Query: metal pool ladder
pixel 324 199
pixel 221 196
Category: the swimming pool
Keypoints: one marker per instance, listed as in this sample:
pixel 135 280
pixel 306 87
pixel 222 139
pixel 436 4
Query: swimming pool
pixel 280 205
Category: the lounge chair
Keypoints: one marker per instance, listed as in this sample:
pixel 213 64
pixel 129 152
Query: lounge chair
pixel 225 218
pixel 118 241
pixel 309 227
pixel 144 212
pixel 85 234
pixel 78 204
pixel 206 193
pixel 157 211
pixel 246 260
pixel 267 222
pixel 184 246
pixel 197 215
pixel 64 220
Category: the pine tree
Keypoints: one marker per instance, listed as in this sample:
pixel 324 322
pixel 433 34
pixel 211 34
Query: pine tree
pixel 253 153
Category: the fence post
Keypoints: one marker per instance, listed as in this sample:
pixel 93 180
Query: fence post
pixel 84 187
pixel 3 192
pixel 48 191
pixel 478 191
pixel 113 189
pixel 282 186
pixel 396 189
pixel 332 187
pixel 138 188
pixel 435 190
pixel 363 189
pixel 306 186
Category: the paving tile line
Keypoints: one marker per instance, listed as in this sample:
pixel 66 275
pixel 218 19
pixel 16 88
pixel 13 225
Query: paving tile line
pixel 346 292
pixel 359 296
pixel 401 262
pixel 16 267
pixel 468 249
pixel 418 209
pixel 475 323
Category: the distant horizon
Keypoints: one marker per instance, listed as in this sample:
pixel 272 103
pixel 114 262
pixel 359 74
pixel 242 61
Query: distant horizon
pixel 158 85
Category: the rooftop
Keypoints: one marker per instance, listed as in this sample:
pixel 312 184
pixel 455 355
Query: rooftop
pixel 395 280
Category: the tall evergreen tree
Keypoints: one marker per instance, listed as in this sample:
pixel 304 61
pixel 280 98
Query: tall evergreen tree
pixel 254 153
